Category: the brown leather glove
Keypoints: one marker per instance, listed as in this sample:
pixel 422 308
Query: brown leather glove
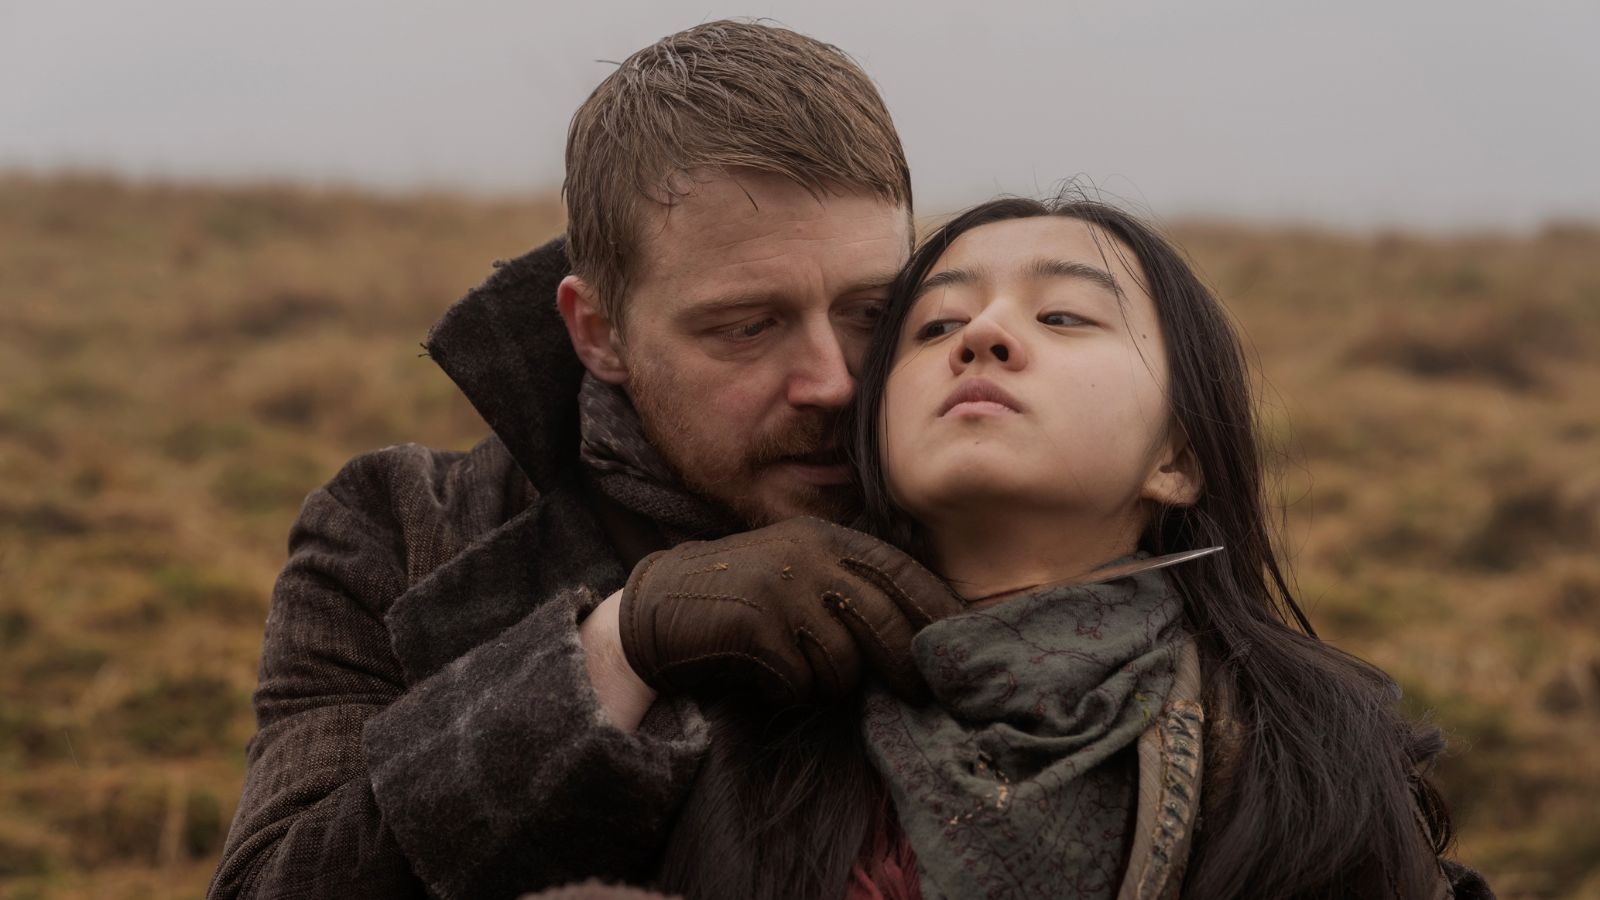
pixel 791 610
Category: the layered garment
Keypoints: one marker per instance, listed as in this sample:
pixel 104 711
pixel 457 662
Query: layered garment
pixel 1061 756
pixel 425 721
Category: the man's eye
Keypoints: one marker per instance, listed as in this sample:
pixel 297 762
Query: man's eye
pixel 1062 318
pixel 750 329
pixel 870 313
pixel 937 328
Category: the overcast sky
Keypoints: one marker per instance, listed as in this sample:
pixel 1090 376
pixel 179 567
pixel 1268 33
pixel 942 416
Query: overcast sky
pixel 1348 112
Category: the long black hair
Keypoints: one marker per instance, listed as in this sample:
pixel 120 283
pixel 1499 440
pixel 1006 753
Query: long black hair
pixel 782 805
pixel 1326 799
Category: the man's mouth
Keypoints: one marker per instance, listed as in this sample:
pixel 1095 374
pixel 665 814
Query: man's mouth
pixel 833 457
pixel 822 467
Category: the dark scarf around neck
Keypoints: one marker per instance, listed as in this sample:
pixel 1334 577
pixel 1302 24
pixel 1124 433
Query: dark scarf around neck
pixel 1021 778
pixel 628 470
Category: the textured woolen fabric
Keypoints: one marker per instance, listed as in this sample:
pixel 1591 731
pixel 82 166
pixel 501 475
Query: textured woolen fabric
pixel 626 468
pixel 1019 780
pixel 426 725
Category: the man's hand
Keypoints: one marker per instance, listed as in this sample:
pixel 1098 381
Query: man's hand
pixel 791 610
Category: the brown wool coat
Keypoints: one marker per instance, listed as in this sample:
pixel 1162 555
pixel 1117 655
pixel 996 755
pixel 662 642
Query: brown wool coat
pixel 425 720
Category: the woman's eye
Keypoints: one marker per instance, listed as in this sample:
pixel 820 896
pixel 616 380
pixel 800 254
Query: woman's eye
pixel 937 328
pixel 1062 318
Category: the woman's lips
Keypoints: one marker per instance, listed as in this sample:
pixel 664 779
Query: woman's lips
pixel 979 397
pixel 980 408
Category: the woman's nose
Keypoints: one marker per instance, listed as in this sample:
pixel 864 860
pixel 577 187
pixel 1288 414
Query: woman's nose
pixel 984 339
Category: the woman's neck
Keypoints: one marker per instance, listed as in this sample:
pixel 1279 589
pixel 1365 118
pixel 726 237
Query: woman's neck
pixel 984 555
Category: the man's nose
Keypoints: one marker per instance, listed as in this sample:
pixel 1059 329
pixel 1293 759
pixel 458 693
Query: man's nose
pixel 986 340
pixel 821 375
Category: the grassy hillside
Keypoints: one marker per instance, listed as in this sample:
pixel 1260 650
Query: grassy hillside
pixel 179 366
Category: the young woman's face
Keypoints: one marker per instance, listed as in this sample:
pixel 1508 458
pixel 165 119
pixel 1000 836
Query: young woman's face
pixel 1031 373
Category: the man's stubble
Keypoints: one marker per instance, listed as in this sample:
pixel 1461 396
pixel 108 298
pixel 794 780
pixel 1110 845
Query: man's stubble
pixel 734 470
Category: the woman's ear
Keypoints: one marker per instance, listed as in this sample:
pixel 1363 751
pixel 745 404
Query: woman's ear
pixel 593 336
pixel 1176 479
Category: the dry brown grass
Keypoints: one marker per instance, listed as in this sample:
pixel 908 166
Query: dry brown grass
pixel 181 365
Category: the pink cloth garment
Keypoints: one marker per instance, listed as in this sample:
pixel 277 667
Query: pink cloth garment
pixel 887 869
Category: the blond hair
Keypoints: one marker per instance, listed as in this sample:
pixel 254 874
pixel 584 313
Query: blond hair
pixel 722 96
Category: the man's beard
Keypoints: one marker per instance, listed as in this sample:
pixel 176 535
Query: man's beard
pixel 728 475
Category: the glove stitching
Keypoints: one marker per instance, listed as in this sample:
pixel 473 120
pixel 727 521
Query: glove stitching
pixel 688 595
pixel 885 583
pixel 838 677
pixel 714 567
pixel 731 547
pixel 788 685
pixel 846 605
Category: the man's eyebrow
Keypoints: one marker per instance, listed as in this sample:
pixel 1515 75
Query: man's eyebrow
pixel 737 302
pixel 1060 268
pixel 727 304
pixel 871 283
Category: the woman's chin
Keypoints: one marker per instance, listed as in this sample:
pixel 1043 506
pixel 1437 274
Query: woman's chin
pixel 977 493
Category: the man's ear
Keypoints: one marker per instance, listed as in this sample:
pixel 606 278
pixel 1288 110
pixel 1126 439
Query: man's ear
pixel 593 336
pixel 1176 480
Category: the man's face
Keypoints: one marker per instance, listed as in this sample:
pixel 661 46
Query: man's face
pixel 744 328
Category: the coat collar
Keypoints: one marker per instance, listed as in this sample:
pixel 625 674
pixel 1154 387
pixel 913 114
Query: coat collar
pixel 505 346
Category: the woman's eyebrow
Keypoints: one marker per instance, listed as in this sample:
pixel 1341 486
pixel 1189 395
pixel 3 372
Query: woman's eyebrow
pixel 949 278
pixel 1060 268
pixel 1038 268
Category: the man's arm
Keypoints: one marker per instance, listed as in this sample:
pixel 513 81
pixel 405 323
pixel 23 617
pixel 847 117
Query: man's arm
pixel 497 774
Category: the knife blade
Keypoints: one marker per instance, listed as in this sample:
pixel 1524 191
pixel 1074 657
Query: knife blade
pixel 1133 567
pixel 1104 574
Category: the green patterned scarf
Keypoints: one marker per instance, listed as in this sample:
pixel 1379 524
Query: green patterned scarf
pixel 1020 779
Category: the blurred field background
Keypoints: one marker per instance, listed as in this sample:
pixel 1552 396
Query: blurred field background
pixel 179 366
